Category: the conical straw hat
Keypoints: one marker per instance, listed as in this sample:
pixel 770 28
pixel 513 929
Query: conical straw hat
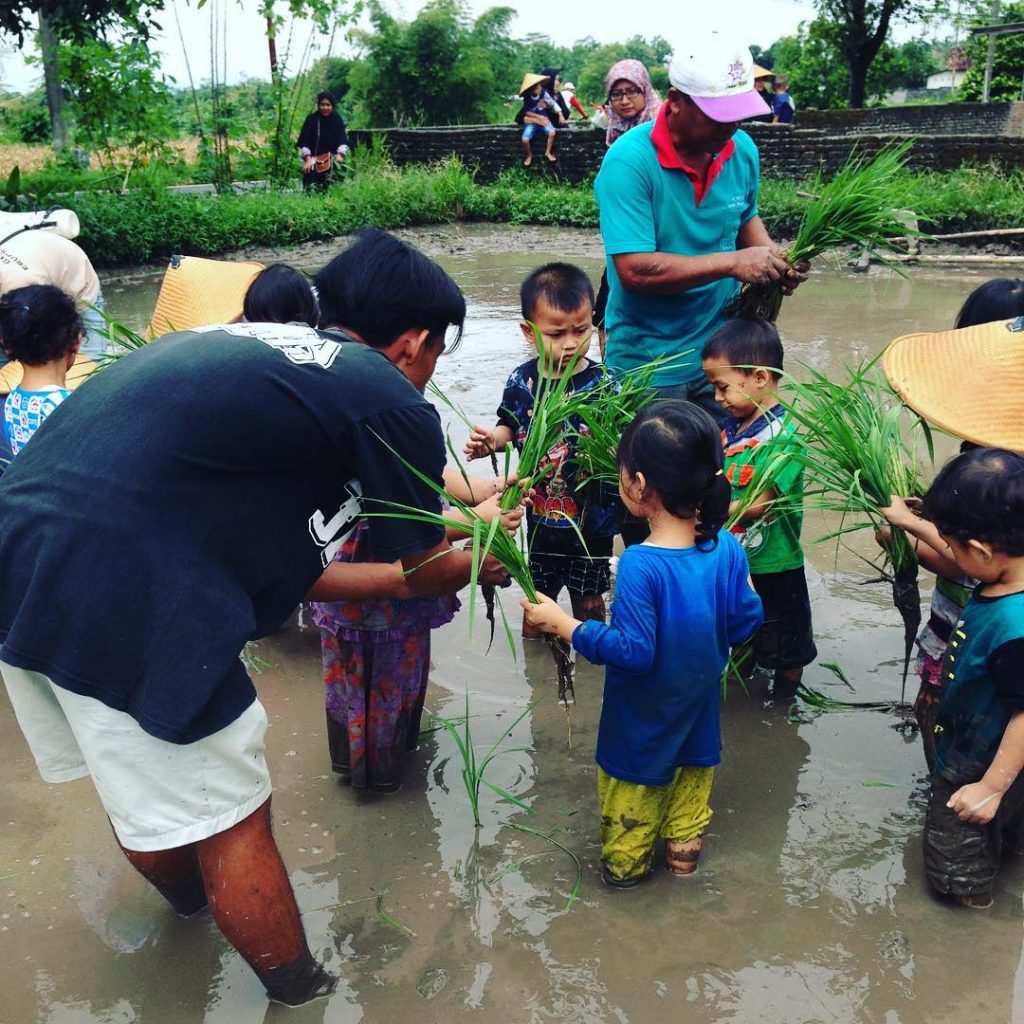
pixel 11 374
pixel 760 72
pixel 529 81
pixel 969 382
pixel 196 292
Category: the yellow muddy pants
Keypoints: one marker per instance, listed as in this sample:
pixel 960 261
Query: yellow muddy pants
pixel 634 816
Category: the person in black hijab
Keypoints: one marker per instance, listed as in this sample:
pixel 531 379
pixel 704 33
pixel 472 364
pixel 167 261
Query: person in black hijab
pixel 323 142
pixel 554 86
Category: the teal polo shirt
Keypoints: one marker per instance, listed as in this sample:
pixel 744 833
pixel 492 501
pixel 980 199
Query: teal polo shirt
pixel 650 202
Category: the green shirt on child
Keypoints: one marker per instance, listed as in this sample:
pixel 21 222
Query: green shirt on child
pixel 755 461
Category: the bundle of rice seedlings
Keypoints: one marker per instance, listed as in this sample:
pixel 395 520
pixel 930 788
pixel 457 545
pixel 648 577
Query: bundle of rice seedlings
pixel 858 207
pixel 857 457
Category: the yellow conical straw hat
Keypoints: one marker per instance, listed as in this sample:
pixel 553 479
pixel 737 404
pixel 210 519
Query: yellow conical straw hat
pixel 11 374
pixel 760 72
pixel 196 292
pixel 529 81
pixel 969 382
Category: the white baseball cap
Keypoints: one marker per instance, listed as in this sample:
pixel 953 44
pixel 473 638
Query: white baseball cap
pixel 717 72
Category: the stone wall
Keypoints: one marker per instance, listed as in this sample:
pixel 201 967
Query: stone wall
pixel 939 119
pixel 794 153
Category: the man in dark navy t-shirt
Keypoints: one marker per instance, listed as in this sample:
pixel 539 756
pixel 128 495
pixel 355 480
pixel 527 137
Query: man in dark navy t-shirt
pixel 181 503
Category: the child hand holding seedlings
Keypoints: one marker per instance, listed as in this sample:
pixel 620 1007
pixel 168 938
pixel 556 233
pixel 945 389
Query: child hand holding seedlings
pixel 570 526
pixel 976 505
pixel 682 599
pixel 743 361
pixel 998 299
pixel 40 327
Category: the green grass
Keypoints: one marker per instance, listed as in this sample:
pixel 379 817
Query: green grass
pixel 150 225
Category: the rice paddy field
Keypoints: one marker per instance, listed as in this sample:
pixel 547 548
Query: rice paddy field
pixel 809 905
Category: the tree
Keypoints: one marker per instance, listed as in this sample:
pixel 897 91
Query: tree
pixel 440 68
pixel 654 55
pixel 861 27
pixel 119 98
pixel 819 79
pixel 78 19
pixel 1008 64
pixel 812 63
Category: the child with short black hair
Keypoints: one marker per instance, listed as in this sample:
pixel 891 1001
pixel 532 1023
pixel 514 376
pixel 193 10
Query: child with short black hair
pixel 682 598
pixel 976 506
pixel 280 294
pixel 40 327
pixel 557 300
pixel 1002 298
pixel 743 361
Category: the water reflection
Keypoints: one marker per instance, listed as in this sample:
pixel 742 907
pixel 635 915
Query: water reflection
pixel 809 906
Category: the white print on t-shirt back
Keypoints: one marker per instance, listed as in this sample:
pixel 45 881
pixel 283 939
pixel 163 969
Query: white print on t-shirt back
pixel 330 534
pixel 299 343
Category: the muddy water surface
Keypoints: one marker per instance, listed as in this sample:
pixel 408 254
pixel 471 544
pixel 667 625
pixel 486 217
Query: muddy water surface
pixel 809 906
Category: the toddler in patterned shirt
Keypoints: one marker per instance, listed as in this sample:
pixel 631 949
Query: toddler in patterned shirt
pixel 40 327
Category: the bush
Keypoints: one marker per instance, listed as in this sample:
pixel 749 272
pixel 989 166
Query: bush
pixel 150 224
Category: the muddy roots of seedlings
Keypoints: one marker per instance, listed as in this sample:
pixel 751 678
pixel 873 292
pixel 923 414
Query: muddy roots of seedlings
pixel 487 591
pixel 757 302
pixel 906 596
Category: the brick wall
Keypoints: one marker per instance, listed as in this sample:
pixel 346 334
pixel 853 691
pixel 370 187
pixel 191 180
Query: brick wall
pixel 786 152
pixel 944 119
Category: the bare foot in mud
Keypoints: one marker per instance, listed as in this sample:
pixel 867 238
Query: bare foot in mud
pixel 551 158
pixel 528 161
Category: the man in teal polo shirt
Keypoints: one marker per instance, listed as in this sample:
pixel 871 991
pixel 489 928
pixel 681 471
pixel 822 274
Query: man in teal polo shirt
pixel 678 202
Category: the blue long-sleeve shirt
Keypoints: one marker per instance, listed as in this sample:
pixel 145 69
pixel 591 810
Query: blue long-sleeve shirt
pixel 676 613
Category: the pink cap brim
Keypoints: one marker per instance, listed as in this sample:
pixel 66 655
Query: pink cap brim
pixel 733 108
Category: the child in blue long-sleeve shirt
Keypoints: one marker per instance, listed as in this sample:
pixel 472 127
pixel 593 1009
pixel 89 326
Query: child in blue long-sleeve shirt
pixel 682 599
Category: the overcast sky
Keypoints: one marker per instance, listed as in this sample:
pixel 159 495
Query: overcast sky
pixel 564 21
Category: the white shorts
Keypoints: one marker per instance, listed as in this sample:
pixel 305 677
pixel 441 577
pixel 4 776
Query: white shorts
pixel 158 795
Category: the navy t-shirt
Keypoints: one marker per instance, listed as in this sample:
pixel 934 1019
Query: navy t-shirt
pixel 182 502
pixel 782 107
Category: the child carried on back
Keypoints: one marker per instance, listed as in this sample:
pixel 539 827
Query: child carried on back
pixel 570 526
pixel 682 599
pixel 743 360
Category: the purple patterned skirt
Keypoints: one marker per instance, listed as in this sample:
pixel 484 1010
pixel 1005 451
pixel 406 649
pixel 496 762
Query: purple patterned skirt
pixel 374 693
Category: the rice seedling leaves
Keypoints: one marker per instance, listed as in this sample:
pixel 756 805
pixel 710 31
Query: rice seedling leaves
pixel 388 919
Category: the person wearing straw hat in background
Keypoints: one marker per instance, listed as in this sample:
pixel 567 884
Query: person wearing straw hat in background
pixel 678 205
pixel 539 110
pixel 968 382
pixel 763 78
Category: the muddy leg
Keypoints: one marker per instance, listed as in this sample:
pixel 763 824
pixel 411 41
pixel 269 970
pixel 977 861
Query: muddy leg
pixel 785 683
pixel 174 874
pixel 527 153
pixel 253 904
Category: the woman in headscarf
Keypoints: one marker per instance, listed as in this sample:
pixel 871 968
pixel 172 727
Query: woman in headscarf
pixel 554 86
pixel 322 142
pixel 631 99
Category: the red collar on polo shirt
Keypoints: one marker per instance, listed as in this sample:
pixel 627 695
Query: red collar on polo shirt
pixel 668 157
